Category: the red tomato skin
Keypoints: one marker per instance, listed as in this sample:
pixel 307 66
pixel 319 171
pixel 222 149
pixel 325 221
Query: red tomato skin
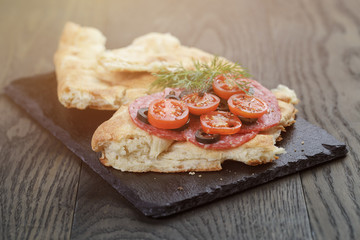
pixel 198 110
pixel 167 120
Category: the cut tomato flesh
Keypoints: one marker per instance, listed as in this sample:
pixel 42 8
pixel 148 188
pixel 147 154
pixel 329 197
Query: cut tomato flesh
pixel 218 122
pixel 247 106
pixel 201 104
pixel 167 113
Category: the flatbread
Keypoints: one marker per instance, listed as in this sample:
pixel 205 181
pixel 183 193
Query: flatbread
pixel 126 147
pixel 150 53
pixel 89 76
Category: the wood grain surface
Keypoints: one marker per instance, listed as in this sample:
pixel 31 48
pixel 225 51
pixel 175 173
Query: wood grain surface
pixel 311 46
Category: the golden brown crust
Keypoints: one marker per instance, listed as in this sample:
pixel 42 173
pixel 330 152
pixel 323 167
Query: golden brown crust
pixel 288 112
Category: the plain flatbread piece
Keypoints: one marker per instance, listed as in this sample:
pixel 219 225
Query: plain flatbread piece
pixel 151 52
pixel 126 147
pixel 89 76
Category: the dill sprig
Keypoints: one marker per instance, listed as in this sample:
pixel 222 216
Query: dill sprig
pixel 200 78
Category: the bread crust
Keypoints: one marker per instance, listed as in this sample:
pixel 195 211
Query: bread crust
pixel 126 147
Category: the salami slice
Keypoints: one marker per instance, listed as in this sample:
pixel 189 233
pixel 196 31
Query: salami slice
pixel 145 102
pixel 269 119
pixel 225 142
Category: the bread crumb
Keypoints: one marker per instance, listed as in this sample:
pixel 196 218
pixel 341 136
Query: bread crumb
pixel 302 143
pixel 221 179
pixel 191 173
pixel 180 188
pixel 200 175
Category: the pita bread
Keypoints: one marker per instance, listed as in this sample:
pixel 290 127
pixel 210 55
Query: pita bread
pixel 89 76
pixel 126 147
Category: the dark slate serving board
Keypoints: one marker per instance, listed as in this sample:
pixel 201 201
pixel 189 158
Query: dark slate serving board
pixel 156 194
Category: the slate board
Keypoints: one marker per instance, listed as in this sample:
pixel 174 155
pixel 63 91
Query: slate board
pixel 155 194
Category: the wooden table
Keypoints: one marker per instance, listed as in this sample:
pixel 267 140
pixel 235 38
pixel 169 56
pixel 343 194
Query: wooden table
pixel 46 192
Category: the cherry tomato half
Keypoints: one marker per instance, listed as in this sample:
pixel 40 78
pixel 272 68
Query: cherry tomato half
pixel 167 113
pixel 218 122
pixel 201 104
pixel 247 106
pixel 225 87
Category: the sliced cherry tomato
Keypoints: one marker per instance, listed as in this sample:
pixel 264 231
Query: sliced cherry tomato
pixel 218 122
pixel 167 113
pixel 225 87
pixel 247 106
pixel 201 104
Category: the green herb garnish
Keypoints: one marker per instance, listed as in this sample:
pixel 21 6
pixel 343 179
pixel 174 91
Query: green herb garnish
pixel 201 77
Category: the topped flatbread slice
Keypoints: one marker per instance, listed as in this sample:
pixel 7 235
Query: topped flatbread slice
pixel 126 147
pixel 89 76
